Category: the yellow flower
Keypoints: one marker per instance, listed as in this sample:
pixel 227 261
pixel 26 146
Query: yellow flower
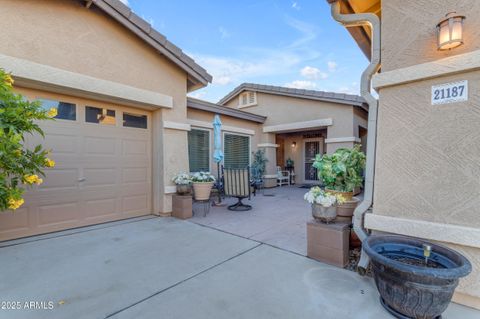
pixel 15 203
pixel 8 80
pixel 49 162
pixel 17 153
pixel 52 112
pixel 32 179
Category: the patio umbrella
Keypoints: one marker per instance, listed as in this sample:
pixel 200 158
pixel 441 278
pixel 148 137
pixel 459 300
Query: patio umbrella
pixel 217 149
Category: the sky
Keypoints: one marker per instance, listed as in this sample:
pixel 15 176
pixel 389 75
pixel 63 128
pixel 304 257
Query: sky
pixel 276 42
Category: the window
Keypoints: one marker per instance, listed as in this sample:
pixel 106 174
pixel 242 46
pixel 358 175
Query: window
pixel 132 120
pixel 99 115
pixel 237 151
pixel 199 150
pixel 248 98
pixel 65 110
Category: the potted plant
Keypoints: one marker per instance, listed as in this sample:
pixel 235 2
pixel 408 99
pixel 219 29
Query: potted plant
pixel 324 204
pixel 415 278
pixel 202 185
pixel 183 181
pixel 341 172
pixel 259 164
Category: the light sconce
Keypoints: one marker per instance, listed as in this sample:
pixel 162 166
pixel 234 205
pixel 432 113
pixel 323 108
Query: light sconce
pixel 294 144
pixel 450 31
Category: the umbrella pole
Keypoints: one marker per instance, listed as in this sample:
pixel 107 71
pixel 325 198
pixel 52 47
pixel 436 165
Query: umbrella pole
pixel 218 184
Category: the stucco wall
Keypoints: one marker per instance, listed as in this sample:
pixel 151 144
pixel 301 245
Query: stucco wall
pixel 427 173
pixel 414 22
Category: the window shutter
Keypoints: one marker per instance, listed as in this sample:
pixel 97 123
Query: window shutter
pixel 237 151
pixel 243 99
pixel 199 150
pixel 251 98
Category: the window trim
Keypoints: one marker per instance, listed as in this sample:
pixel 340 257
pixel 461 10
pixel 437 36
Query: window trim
pixel 210 148
pixel 238 134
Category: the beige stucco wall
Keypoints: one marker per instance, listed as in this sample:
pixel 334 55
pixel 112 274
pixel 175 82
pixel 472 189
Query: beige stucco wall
pixel 414 23
pixel 68 36
pixel 427 174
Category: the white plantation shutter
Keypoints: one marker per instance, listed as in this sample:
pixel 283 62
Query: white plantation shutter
pixel 237 151
pixel 199 150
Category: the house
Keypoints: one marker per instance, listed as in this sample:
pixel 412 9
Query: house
pixel 286 123
pixel 120 88
pixel 426 178
pixel 125 126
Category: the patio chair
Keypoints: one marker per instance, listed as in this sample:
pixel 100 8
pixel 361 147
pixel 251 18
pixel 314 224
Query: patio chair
pixel 283 177
pixel 257 180
pixel 236 183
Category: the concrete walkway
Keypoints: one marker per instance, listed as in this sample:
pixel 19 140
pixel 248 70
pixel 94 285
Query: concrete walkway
pixel 278 218
pixel 164 268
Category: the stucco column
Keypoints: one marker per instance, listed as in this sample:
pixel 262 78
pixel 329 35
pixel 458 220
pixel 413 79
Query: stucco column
pixel 158 188
pixel 270 148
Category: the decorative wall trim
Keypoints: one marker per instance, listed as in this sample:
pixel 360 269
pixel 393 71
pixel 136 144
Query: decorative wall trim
pixel 39 76
pixel 342 139
pixel 177 126
pixel 454 234
pixel 268 145
pixel 225 128
pixel 447 66
pixel 298 125
pixel 170 189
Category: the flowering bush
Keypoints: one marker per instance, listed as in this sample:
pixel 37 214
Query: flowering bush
pixel 182 179
pixel 318 196
pixel 203 177
pixel 20 166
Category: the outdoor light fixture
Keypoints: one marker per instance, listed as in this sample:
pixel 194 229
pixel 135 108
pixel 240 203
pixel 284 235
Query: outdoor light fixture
pixel 450 31
pixel 294 144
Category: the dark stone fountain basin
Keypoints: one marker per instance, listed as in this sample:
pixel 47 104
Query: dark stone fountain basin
pixel 408 288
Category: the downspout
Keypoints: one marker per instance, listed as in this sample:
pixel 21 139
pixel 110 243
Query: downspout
pixel 371 20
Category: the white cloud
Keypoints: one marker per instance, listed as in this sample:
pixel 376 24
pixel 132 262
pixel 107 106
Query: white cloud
pixel 198 94
pixel 224 32
pixel 332 66
pixel 125 2
pixel 295 5
pixel 222 80
pixel 312 73
pixel 302 84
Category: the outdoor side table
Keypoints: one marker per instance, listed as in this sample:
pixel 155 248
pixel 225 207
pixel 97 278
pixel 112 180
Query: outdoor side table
pixel 328 243
pixel 182 206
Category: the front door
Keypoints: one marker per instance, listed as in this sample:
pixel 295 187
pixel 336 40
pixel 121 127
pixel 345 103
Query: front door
pixel 312 147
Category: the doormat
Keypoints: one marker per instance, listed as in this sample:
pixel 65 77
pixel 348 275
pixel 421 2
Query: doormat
pixel 309 185
pixel 270 195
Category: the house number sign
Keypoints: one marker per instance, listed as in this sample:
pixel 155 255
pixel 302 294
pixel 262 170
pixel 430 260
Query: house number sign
pixel 450 92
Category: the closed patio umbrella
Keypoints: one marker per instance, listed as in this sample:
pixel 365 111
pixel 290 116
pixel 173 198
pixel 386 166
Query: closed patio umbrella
pixel 217 149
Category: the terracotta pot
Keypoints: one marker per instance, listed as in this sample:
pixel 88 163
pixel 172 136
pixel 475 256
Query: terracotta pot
pixel 202 191
pixel 346 209
pixel 183 189
pixel 347 195
pixel 324 214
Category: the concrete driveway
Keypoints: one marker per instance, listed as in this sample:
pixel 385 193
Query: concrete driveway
pixel 164 268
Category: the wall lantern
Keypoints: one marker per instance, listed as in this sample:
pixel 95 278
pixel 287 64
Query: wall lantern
pixel 450 31
pixel 294 144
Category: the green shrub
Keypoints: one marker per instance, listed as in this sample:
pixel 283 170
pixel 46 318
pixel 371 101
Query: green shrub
pixel 342 170
pixel 19 166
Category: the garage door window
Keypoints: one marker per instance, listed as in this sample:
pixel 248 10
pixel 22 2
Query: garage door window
pixel 65 110
pixel 199 150
pixel 99 115
pixel 237 151
pixel 132 120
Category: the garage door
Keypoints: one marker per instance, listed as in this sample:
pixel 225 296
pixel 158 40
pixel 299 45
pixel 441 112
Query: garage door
pixel 103 171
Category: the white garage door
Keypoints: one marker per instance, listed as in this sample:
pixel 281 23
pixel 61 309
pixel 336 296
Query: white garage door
pixel 103 171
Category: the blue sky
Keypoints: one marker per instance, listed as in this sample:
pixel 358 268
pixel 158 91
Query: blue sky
pixel 276 42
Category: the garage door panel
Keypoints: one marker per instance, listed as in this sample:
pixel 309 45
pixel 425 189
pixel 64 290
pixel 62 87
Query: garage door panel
pixel 101 208
pixel 135 147
pixel 100 176
pixel 135 204
pixel 99 146
pixel 134 174
pixel 15 221
pixel 62 213
pixel 60 178
pixel 61 143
